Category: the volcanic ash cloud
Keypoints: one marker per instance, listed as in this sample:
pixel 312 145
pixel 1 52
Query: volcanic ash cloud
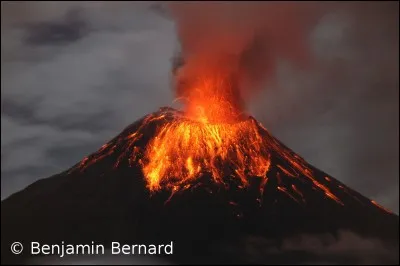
pixel 229 50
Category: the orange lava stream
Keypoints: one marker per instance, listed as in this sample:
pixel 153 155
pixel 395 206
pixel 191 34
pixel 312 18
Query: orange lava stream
pixel 210 138
pixel 185 149
pixel 381 207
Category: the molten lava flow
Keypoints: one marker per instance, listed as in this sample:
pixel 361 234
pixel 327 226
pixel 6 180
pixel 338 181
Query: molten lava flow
pixel 184 149
pixel 379 206
pixel 176 151
pixel 211 138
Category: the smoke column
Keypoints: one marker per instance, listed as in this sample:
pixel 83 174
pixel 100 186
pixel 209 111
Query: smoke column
pixel 229 50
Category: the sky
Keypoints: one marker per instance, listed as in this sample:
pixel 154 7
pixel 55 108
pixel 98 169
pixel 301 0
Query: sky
pixel 74 74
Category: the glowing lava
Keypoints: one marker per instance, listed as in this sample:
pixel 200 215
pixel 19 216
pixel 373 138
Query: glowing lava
pixel 184 149
pixel 213 139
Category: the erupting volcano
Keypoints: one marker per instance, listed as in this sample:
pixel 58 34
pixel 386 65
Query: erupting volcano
pixel 211 137
pixel 207 174
pixel 182 150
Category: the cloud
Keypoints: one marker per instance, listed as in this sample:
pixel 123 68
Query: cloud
pixel 61 101
pixel 341 114
pixel 344 248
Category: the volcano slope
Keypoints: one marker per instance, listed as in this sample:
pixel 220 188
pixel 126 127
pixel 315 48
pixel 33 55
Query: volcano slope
pixel 149 186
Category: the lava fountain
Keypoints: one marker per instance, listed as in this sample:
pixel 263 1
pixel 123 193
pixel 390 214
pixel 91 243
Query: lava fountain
pixel 211 136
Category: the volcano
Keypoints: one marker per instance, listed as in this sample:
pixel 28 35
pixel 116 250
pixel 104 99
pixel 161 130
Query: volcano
pixel 206 186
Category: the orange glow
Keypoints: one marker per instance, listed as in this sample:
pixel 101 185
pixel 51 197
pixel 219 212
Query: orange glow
pixel 212 97
pixel 212 138
pixel 380 207
pixel 185 149
pixel 298 192
pixel 328 192
pixel 284 190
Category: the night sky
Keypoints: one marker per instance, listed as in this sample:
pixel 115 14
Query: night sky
pixel 74 74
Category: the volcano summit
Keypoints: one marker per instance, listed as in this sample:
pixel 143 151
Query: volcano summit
pixel 205 186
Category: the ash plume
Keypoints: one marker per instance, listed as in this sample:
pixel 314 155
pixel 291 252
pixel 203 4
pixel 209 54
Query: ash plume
pixel 239 42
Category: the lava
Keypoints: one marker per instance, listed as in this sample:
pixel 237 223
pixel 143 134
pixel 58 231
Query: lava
pixel 211 98
pixel 213 138
pixel 380 207
pixel 184 149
